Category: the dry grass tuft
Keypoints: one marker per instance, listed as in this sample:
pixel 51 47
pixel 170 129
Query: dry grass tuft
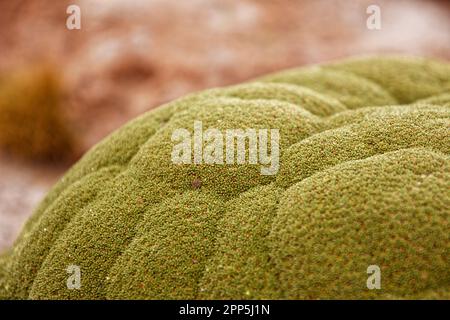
pixel 32 123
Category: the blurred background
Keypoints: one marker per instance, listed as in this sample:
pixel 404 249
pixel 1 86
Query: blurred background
pixel 62 90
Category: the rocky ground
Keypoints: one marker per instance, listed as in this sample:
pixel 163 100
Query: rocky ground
pixel 131 56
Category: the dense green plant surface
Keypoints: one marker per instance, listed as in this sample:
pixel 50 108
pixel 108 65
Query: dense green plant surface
pixel 364 179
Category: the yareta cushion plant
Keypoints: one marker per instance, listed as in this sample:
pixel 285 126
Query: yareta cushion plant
pixel 363 180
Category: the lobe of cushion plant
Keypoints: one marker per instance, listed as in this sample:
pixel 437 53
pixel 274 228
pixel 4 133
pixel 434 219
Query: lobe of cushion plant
pixel 364 179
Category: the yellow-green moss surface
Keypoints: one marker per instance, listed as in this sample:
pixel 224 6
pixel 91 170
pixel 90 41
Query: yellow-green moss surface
pixel 364 179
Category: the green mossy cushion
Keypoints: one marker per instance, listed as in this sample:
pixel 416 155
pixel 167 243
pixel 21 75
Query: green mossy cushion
pixel 364 179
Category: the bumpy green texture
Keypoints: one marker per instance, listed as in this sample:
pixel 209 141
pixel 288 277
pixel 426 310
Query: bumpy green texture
pixel 364 180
